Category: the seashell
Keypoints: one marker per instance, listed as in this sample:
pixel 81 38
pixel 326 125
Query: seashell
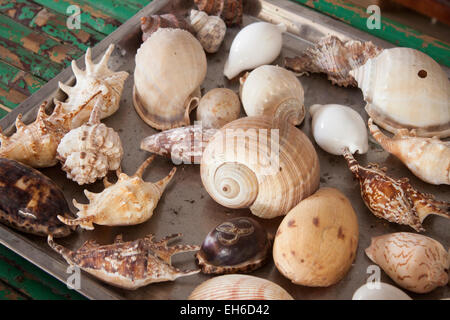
pixel 415 262
pixel 129 201
pixel 239 287
pixel 96 77
pixel 427 158
pixel 210 30
pixel 170 67
pixel 334 58
pixel 36 144
pixel 181 145
pixel 272 90
pixel 255 45
pixel 336 127
pixel 249 158
pixel 379 291
pixel 394 199
pixel 316 242
pixel 30 202
pixel 152 23
pixel 237 245
pixel 128 265
pixel 405 88
pixel 218 107
pixel 88 152
pixel 229 10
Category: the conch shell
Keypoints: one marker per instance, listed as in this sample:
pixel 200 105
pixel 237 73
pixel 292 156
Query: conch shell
pixel 256 163
pixel 255 45
pixel 335 58
pixel 88 152
pixel 210 30
pixel 271 90
pixel 427 158
pixel 405 88
pixel 218 107
pixel 170 67
pixel 152 23
pixel 96 77
pixel 415 262
pixel 129 201
pixel 229 10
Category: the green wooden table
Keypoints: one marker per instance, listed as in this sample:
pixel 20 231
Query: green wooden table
pixel 35 45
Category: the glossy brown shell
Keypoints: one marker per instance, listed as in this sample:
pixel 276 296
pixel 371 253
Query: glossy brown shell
pixel 30 202
pixel 229 10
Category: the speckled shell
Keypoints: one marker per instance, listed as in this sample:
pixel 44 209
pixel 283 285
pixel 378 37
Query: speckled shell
pixel 334 58
pixel 415 262
pixel 129 201
pixel 379 291
pixel 218 107
pixel 152 23
pixel 210 30
pixel 246 173
pixel 30 202
pixel 170 67
pixel 239 287
pixel 229 10
pixel 427 158
pixel 96 77
pixel 316 242
pixel 405 88
pixel 271 90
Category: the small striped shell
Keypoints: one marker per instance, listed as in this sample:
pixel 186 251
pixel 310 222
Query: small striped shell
pixel 239 287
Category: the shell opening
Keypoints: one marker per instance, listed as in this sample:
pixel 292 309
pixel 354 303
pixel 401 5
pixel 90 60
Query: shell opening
pixel 422 74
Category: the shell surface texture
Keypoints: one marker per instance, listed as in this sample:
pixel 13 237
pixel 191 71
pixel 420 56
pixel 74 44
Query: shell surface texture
pixel 152 23
pixel 427 158
pixel 249 158
pixel 394 199
pixel 30 202
pixel 271 90
pixel 379 291
pixel 218 107
pixel 210 30
pixel 229 10
pixel 129 201
pixel 405 88
pixel 88 152
pixel 96 77
pixel 128 265
pixel 255 45
pixel 415 262
pixel 236 245
pixel 336 127
pixel 316 242
pixel 239 287
pixel 334 58
pixel 170 67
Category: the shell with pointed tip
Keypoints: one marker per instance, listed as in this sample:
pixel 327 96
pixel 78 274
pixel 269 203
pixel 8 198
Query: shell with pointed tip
pixel 427 158
pixel 152 23
pixel 270 90
pixel 405 88
pixel 415 262
pixel 210 30
pixel 170 67
pixel 129 201
pixel 229 10
pixel 379 291
pixel 336 127
pixel 218 107
pixel 267 156
pixel 239 287
pixel 96 77
pixel 255 45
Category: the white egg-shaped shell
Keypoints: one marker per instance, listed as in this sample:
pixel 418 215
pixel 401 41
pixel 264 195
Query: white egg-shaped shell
pixel 336 127
pixel 257 44
pixel 405 88
pixel 379 291
pixel 218 107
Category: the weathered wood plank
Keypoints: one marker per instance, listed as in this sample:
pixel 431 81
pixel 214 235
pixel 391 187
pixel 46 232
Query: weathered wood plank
pixel 19 80
pixel 118 9
pixel 9 293
pixel 139 3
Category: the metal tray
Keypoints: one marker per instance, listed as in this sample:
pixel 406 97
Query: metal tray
pixel 186 207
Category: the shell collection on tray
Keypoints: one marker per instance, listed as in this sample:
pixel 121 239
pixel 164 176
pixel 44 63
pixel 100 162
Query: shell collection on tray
pixel 260 163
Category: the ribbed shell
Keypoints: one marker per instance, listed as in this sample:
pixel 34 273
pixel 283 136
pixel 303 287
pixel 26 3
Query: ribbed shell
pixel 210 30
pixel 239 287
pixel 234 176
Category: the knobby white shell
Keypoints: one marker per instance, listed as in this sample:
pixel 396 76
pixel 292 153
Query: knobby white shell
pixel 170 67
pixel 210 30
pixel 272 90
pixel 405 88
pixel 239 287
pixel 218 107
pixel 336 127
pixel 379 291
pixel 255 45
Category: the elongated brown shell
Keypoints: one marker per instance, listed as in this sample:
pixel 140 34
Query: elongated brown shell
pixel 152 23
pixel 229 10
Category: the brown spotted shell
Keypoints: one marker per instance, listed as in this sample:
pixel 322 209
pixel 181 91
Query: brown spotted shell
pixel 152 23
pixel 229 10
